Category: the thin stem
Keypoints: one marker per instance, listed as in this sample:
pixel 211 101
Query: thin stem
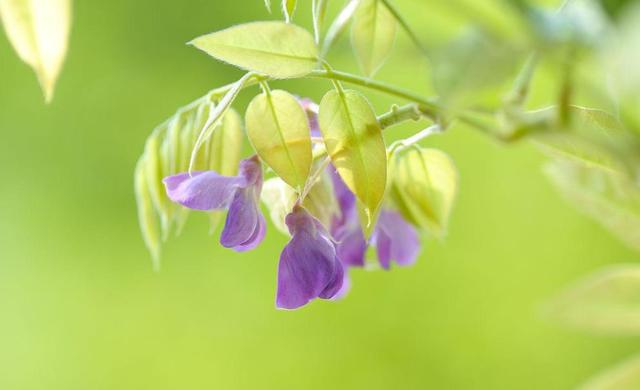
pixel 405 26
pixel 414 139
pixel 409 112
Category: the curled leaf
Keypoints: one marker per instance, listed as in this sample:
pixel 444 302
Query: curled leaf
pixel 288 8
pixel 39 31
pixel 146 215
pixel 372 35
pixel 424 183
pixel 338 26
pixel 276 49
pixel 278 129
pixel 354 142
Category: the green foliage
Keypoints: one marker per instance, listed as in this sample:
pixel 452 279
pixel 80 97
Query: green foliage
pixel 604 302
pixel 623 376
pixel 39 32
pixel 353 139
pixel 372 35
pixel 276 49
pixel 423 187
pixel 278 129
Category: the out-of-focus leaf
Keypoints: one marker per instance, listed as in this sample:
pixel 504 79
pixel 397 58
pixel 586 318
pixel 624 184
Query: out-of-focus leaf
pixel 146 215
pixel 224 156
pixel 616 8
pixel 319 9
pixel 472 63
pixel 277 49
pixel 168 152
pixel 579 23
pixel 267 5
pixel 623 376
pixel 215 116
pixel 278 129
pixel 354 142
pixel 39 31
pixel 372 35
pixel 609 197
pixel 592 137
pixel 424 183
pixel 338 26
pixel 607 301
pixel 288 8
pixel 621 55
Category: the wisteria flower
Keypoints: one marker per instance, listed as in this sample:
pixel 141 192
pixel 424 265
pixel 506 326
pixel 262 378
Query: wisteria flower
pixel 394 238
pixel 309 266
pixel 245 226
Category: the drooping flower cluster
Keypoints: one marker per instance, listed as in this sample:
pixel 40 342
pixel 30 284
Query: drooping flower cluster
pixel 315 262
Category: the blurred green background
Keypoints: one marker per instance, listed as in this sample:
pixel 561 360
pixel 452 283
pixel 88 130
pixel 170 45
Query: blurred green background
pixel 81 308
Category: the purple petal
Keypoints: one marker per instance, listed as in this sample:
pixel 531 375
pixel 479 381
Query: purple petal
pixel 396 240
pixel 242 224
pixel 309 267
pixel 251 170
pixel 344 290
pixel 203 190
pixel 346 199
pixel 351 245
pixel 256 238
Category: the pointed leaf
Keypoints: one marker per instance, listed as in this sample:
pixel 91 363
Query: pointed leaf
pixel 353 139
pixel 146 215
pixel 39 31
pixel 288 8
pixel 372 35
pixel 277 49
pixel 609 197
pixel 604 302
pixel 424 186
pixel 278 129
pixel 338 26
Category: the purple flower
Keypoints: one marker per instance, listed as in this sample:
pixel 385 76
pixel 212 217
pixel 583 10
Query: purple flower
pixel 245 226
pixel 395 239
pixel 309 265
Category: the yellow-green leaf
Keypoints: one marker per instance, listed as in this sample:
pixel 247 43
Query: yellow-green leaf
pixel 146 215
pixel 372 34
pixel 225 149
pixel 278 129
pixel 277 49
pixel 622 376
pixel 353 139
pixel 610 197
pixel 605 302
pixel 280 198
pixel 288 8
pixel 38 31
pixel 424 186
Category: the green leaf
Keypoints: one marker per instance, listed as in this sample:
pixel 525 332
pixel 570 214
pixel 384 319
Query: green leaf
pixel 623 376
pixel 216 115
pixel 338 26
pixel 278 129
pixel 288 8
pixel 39 32
pixel 609 197
pixel 279 198
pixel 470 64
pixel 276 49
pixel 146 215
pixel 319 9
pixel 424 183
pixel 168 152
pixel 592 137
pixel 354 142
pixel 372 35
pixel 605 302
